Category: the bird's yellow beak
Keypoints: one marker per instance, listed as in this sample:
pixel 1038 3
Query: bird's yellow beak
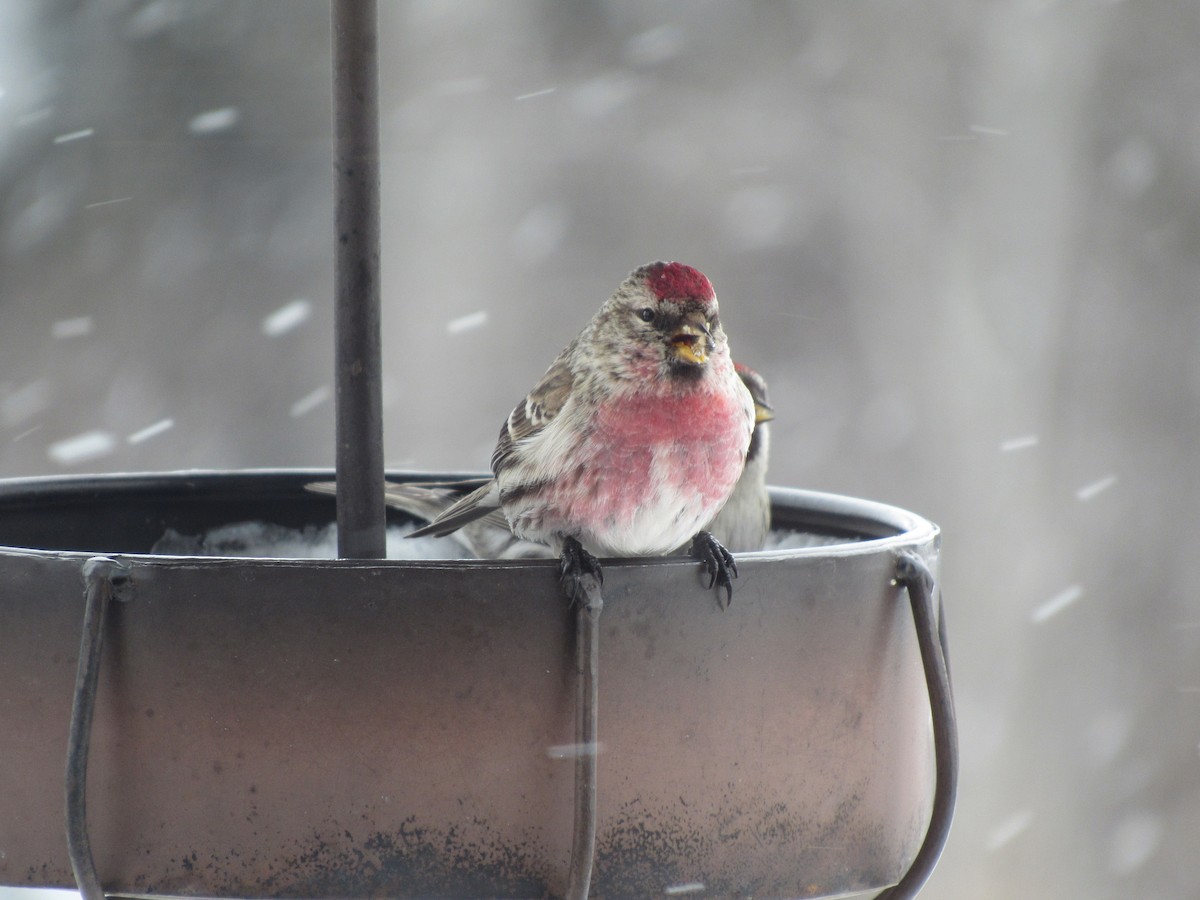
pixel 690 344
pixel 762 412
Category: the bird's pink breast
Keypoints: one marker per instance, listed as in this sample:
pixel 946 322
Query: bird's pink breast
pixel 656 469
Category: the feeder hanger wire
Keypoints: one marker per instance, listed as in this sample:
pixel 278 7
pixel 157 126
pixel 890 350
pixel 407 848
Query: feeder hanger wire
pixel 914 575
pixel 104 580
pixel 587 739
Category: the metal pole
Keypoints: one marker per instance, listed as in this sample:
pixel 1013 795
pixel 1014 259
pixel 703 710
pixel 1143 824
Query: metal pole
pixel 359 458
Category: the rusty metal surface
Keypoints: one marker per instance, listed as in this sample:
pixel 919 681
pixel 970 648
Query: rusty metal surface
pixel 343 728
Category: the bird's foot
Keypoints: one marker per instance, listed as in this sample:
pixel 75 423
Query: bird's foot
pixel 718 563
pixel 579 574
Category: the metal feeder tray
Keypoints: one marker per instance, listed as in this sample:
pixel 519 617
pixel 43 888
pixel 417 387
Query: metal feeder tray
pixel 349 728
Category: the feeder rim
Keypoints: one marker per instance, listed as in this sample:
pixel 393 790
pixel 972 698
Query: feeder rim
pixel 842 513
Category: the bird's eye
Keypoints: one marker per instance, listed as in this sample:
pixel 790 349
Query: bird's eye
pixel 646 314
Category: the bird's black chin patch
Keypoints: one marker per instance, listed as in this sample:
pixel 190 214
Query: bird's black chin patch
pixel 684 370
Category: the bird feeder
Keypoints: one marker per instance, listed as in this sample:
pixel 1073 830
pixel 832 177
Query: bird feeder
pixel 264 727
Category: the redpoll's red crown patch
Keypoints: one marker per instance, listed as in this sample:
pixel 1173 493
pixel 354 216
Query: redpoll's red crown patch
pixel 675 281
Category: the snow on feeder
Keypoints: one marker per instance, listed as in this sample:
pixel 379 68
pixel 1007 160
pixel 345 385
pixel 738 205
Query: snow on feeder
pixel 354 727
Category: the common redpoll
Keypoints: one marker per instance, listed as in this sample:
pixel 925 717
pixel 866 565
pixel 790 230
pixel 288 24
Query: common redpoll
pixel 741 525
pixel 744 520
pixel 632 440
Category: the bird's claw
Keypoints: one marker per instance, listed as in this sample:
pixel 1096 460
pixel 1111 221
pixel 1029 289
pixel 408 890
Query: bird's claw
pixel 718 563
pixel 579 573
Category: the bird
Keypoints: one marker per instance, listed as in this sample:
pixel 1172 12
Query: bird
pixel 741 525
pixel 632 440
pixel 744 521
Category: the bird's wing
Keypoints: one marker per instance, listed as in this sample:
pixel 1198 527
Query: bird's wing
pixel 477 504
pixel 538 409
pixel 420 500
pixel 529 418
pixel 430 499
pixel 425 499
pixel 435 502
pixel 322 487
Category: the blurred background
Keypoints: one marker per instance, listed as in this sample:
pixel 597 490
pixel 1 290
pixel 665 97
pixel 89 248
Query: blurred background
pixel 958 239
